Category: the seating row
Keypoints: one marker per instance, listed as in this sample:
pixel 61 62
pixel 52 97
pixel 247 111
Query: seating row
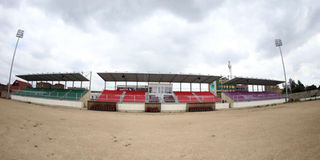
pixel 253 96
pixel 140 97
pixel 62 94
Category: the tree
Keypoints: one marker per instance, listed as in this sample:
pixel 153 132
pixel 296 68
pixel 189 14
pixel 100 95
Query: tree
pixel 312 87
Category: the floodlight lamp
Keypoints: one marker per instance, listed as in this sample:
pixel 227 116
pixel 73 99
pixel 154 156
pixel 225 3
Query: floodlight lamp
pixel 20 33
pixel 278 42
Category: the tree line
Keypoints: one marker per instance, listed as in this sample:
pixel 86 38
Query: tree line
pixel 299 86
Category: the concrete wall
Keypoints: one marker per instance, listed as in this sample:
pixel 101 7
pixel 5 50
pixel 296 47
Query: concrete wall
pixel 130 107
pixel 173 107
pixel 226 98
pixel 51 102
pixel 85 98
pixel 222 106
pixel 256 103
pixel 308 99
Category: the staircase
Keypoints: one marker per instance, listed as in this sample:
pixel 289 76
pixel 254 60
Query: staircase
pixel 197 97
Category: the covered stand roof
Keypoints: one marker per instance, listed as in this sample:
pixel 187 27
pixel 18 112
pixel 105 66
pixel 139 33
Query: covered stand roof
pixel 252 81
pixel 53 77
pixel 157 77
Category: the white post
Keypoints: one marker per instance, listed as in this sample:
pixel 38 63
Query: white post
pixel 90 80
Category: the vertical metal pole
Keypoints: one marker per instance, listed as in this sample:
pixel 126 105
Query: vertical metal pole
pixel 90 80
pixel 72 84
pixel 105 85
pixel 180 86
pixel 190 87
pixel 115 85
pixel 285 76
pixel 65 84
pixel 14 53
pixel 80 84
pixel 200 87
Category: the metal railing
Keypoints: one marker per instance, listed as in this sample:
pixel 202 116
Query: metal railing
pixel 50 94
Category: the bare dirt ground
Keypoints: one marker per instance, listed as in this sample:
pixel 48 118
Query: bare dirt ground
pixel 288 131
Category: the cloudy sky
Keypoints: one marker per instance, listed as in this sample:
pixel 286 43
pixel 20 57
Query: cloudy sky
pixel 162 36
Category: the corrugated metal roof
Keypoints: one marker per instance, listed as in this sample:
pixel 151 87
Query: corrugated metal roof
pixel 53 77
pixel 157 77
pixel 252 81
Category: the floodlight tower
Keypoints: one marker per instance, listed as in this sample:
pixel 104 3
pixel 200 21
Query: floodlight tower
pixel 278 43
pixel 18 35
pixel 230 69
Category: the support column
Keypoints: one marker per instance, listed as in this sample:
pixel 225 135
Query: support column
pixel 65 84
pixel 115 85
pixel 90 81
pixel 190 87
pixel 180 86
pixel 105 85
pixel 200 87
pixel 72 84
pixel 80 84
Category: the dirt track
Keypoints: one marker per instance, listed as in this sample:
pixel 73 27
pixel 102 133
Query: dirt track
pixel 289 131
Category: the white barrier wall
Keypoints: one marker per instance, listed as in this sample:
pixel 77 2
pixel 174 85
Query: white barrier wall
pixel 222 106
pixel 50 102
pixel 181 107
pixel 310 98
pixel 131 107
pixel 257 103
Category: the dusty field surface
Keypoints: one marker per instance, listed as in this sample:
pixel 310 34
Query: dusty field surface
pixel 288 131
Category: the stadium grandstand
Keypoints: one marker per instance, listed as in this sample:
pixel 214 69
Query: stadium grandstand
pixel 54 93
pixel 262 90
pixel 158 94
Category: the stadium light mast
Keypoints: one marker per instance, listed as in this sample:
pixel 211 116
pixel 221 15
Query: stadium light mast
pixel 230 69
pixel 18 35
pixel 278 43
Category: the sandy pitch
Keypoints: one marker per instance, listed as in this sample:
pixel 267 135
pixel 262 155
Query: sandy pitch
pixel 289 131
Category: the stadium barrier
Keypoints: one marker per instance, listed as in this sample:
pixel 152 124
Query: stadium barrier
pixel 102 106
pixel 152 107
pixel 200 107
pixel 131 107
pixel 50 102
pixel 257 103
pixel 220 106
pixel 173 107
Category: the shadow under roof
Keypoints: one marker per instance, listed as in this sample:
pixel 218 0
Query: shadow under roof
pixel 53 77
pixel 157 77
pixel 252 81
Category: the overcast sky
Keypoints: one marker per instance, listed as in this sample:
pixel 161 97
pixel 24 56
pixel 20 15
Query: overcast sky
pixel 162 36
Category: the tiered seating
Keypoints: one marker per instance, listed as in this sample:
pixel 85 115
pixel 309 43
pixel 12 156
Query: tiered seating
pixel 63 94
pixel 168 99
pixel 110 96
pixel 135 96
pixel 186 97
pixel 153 99
pixel 253 96
pixel 75 94
pixel 207 97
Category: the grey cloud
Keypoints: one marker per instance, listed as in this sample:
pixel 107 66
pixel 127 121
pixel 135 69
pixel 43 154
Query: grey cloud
pixel 295 23
pixel 116 14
